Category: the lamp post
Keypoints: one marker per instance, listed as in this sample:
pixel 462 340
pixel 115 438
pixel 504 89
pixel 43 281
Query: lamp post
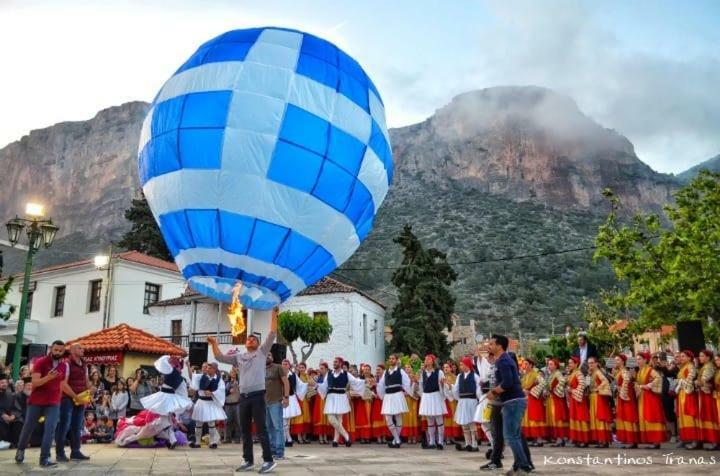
pixel 40 232
pixel 104 263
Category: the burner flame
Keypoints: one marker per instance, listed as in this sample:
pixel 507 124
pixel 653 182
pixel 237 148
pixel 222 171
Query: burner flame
pixel 235 313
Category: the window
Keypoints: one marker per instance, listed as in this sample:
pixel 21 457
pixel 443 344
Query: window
pixel 365 330
pixel 152 295
pixel 375 332
pixel 59 305
pixel 321 314
pixel 28 315
pixel 95 291
pixel 176 331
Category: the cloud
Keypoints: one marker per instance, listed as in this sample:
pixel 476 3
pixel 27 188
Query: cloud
pixel 666 106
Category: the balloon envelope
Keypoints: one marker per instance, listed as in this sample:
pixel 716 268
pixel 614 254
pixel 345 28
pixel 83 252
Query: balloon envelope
pixel 264 159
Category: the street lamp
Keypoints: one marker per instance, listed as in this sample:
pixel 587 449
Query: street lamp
pixel 104 263
pixel 40 232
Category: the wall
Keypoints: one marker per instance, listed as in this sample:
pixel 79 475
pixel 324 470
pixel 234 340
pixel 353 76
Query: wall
pixel 127 298
pixel 133 360
pixel 345 313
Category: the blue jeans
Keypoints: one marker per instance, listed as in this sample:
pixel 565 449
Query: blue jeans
pixel 275 429
pixel 71 419
pixel 32 415
pixel 512 414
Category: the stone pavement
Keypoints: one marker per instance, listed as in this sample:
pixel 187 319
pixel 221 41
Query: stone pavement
pixel 368 460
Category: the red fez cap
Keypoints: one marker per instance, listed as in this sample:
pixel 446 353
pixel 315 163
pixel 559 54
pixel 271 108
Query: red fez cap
pixel 689 353
pixel 644 355
pixel 575 359
pixel 342 361
pixel 623 357
pixel 467 362
pixel 434 359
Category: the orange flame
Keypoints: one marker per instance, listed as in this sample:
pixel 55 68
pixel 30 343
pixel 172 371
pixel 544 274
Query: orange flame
pixel 235 313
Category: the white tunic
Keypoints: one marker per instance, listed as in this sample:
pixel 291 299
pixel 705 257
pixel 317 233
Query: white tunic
pixel 164 403
pixel 394 403
pixel 209 410
pixel 432 403
pixel 339 403
pixel 293 409
pixel 465 411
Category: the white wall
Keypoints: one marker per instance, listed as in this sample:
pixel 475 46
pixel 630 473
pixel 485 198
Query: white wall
pixel 127 298
pixel 345 313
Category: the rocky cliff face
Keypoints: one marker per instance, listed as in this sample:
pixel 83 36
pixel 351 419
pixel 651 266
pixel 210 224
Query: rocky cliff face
pixel 84 172
pixel 527 143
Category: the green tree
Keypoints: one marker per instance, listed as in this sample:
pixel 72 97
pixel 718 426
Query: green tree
pixel 560 348
pixel 299 326
pixel 425 303
pixel 600 320
pixel 144 235
pixel 4 290
pixel 670 272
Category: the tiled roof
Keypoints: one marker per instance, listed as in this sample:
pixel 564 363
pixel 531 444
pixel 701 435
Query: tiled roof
pixel 324 286
pixel 329 285
pixel 125 338
pixel 129 256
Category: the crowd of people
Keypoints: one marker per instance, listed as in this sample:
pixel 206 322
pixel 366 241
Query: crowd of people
pixel 489 396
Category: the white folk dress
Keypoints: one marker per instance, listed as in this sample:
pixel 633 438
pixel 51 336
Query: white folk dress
pixel 432 403
pixel 338 403
pixel 394 403
pixel 465 410
pixel 209 410
pixel 293 409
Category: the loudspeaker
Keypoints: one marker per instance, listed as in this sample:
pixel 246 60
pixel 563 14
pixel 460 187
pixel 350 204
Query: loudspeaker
pixel 37 350
pixel 279 352
pixel 11 352
pixel 198 353
pixel 690 336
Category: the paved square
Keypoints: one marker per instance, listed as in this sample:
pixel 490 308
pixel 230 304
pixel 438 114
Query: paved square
pixel 368 460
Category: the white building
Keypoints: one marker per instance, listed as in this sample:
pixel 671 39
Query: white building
pixel 358 322
pixel 69 300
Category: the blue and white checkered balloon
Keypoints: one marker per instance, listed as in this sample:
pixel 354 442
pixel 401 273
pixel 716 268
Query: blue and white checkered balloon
pixel 264 159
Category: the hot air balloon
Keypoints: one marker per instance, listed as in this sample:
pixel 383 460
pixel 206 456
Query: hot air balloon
pixel 264 159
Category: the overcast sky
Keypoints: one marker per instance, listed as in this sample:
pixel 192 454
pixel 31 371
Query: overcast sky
pixel 647 68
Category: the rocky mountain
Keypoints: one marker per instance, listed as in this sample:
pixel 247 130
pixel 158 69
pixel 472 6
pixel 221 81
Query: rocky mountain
pixel 496 174
pixel 712 165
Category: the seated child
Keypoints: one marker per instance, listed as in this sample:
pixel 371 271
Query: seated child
pixel 88 431
pixel 104 431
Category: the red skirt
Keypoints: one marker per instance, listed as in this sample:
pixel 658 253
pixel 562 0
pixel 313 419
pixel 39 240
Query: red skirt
pixel 708 419
pixel 377 420
pixel 626 421
pixel 320 425
pixel 363 426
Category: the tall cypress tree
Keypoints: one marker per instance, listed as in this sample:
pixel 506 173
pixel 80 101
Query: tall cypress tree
pixel 425 304
pixel 144 236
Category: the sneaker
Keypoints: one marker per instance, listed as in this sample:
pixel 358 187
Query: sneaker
pixel 267 467
pixel 278 457
pixel 46 463
pixel 490 467
pixel 246 466
pixel 19 456
pixel 4 444
pixel 79 456
pixel 62 459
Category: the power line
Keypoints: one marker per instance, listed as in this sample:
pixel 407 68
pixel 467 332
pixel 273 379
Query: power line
pixel 494 260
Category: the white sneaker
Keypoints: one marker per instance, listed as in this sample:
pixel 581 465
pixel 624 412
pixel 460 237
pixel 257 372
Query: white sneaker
pixel 4 445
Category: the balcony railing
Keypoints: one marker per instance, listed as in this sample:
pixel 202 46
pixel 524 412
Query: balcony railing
pixel 184 340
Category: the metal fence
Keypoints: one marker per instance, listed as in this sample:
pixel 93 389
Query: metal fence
pixel 184 340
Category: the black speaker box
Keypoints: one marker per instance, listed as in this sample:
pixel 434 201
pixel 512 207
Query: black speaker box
pixel 690 336
pixel 279 352
pixel 198 353
pixel 37 350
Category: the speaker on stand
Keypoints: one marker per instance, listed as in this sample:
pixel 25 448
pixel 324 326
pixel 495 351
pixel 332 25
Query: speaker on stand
pixel 198 353
pixel 690 336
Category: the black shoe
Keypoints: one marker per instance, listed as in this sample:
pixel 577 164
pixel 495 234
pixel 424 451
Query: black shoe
pixel 490 466
pixel 429 447
pixel 79 456
pixel 194 445
pixel 170 446
pixel 440 447
pixel 19 456
pixel 288 444
pixel 348 443
pixel 459 447
pixel 488 453
pixel 213 446
pixel 391 444
pixel 62 459
pixel 335 444
pixel 46 463
pixel 472 449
